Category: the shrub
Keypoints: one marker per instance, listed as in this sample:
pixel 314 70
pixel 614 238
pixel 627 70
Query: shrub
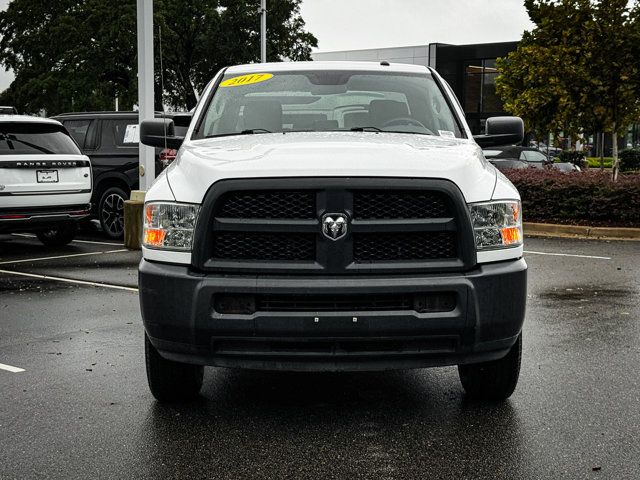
pixel 573 156
pixel 630 160
pixel 594 162
pixel 588 198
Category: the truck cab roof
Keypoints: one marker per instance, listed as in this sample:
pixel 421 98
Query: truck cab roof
pixel 323 66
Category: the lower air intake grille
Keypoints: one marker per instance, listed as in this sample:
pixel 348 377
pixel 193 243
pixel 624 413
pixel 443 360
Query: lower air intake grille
pixel 430 302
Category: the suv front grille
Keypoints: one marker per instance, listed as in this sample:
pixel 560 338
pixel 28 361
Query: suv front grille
pixel 274 226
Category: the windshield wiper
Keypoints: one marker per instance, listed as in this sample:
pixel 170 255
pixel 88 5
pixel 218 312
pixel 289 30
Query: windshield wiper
pixel 410 132
pixel 376 129
pixel 249 131
pixel 366 129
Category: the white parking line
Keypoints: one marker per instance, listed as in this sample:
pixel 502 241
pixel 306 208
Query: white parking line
pixel 26 235
pixel 11 369
pixel 70 280
pixel 25 260
pixel 99 243
pixel 567 255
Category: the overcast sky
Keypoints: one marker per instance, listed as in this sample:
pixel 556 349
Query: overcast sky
pixel 356 24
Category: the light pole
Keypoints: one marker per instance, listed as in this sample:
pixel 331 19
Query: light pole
pixel 263 31
pixel 147 171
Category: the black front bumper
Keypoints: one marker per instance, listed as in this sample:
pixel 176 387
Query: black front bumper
pixel 181 321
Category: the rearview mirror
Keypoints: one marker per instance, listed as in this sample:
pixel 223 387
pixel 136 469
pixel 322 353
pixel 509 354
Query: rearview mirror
pixel 159 132
pixel 500 131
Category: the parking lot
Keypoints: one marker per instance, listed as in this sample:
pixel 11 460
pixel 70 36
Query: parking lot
pixel 75 402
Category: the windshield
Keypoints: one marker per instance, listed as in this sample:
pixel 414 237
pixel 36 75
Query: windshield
pixel 317 101
pixel 34 138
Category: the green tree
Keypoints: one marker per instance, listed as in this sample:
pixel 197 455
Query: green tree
pixel 202 36
pixel 577 70
pixel 79 54
pixel 68 55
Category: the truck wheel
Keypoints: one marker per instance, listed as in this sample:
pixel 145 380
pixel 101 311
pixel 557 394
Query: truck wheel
pixel 111 212
pixel 169 381
pixel 494 380
pixel 58 235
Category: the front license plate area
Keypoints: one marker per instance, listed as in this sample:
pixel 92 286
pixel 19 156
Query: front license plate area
pixel 47 176
pixel 336 326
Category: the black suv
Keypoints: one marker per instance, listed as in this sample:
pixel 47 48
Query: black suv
pixel 110 139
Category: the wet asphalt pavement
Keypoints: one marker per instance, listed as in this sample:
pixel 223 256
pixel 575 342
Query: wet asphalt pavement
pixel 82 409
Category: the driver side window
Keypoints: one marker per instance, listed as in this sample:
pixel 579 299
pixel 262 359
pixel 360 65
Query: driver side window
pixel 212 122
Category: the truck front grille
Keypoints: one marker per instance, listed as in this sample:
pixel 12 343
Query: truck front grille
pixel 264 246
pixel 268 204
pixel 370 205
pixel 388 247
pixel 275 226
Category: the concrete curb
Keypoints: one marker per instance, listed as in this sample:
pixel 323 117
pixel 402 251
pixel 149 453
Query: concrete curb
pixel 578 231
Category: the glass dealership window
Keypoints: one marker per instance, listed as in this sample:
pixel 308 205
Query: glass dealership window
pixel 480 87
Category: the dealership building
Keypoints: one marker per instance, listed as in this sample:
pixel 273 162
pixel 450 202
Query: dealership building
pixel 471 72
pixel 469 69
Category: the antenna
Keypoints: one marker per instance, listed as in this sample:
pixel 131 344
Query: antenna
pixel 263 31
pixel 164 123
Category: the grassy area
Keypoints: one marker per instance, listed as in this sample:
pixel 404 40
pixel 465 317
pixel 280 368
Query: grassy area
pixel 594 162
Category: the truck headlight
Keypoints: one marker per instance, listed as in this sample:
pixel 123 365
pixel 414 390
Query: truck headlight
pixel 497 224
pixel 169 225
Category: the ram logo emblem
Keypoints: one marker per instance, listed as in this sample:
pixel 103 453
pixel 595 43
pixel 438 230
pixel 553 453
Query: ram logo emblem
pixel 334 225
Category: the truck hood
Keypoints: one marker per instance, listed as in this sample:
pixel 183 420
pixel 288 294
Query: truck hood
pixel 201 163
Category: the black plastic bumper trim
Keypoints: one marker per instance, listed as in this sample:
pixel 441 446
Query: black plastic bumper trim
pixel 183 324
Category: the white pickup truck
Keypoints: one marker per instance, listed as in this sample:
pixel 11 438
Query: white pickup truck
pixel 45 182
pixel 330 216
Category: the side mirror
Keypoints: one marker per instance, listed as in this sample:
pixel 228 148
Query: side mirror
pixel 159 132
pixel 500 131
pixel 182 119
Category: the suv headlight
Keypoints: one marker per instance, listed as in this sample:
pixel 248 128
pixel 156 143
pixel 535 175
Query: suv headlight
pixel 497 224
pixel 169 225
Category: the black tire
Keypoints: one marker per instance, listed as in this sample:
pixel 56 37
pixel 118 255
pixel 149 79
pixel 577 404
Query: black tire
pixel 171 382
pixel 111 212
pixel 59 235
pixel 494 380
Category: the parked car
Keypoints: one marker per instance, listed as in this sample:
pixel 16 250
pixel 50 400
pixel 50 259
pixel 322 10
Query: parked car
pixel 504 164
pixel 531 155
pixel 8 110
pixel 551 152
pixel 566 167
pixel 45 181
pixel 294 235
pixel 111 141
